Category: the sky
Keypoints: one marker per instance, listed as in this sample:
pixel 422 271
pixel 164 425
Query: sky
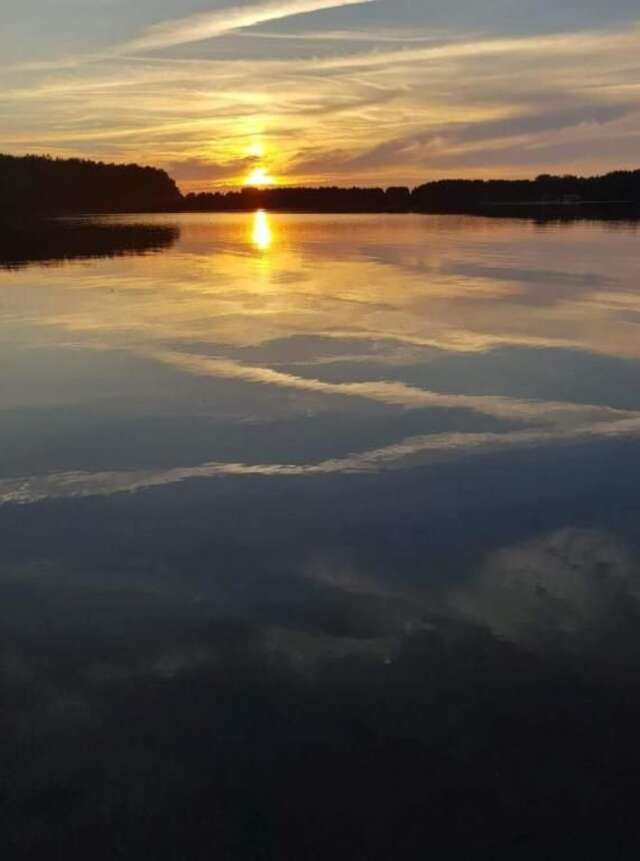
pixel 368 92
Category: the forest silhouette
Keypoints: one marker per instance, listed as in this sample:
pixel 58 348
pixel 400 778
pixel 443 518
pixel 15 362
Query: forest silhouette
pixel 41 185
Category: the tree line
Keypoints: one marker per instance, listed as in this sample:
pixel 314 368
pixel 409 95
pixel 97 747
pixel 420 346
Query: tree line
pixel 40 184
pixel 464 195
pixel 324 199
pixel 43 185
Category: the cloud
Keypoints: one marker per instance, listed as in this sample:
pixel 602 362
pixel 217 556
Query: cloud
pixel 559 415
pixel 412 451
pixel 405 37
pixel 452 142
pixel 544 103
pixel 556 589
pixel 555 45
pixel 195 169
pixel 195 28
pixel 208 25
pixel 544 423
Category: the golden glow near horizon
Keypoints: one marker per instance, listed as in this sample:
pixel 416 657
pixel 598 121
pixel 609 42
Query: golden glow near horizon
pixel 392 93
pixel 262 233
pixel 259 178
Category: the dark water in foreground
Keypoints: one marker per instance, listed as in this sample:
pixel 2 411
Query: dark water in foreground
pixel 319 539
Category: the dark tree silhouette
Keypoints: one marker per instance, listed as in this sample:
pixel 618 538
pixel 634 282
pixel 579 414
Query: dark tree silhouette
pixel 463 195
pixel 331 199
pixel 449 195
pixel 43 185
pixel 39 184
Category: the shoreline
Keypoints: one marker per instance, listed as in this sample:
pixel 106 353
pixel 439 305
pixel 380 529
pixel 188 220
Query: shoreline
pixel 534 210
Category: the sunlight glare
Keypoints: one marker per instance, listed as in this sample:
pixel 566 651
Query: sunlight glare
pixel 258 178
pixel 262 235
pixel 256 150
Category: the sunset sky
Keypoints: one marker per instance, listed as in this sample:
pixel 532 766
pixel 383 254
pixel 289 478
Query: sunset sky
pixel 325 91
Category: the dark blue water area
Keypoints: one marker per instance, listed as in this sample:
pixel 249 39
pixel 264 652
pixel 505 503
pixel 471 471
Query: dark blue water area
pixel 568 375
pixel 292 569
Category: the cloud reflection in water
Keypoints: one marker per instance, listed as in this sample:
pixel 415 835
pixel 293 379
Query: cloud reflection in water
pixel 376 557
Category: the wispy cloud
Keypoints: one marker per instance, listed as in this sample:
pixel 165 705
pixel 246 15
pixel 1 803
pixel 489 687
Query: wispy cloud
pixel 554 414
pixel 208 25
pixel 196 28
pixel 409 452
pixel 350 36
pixel 399 114
pixel 553 45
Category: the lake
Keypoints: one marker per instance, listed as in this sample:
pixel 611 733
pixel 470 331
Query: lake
pixel 319 537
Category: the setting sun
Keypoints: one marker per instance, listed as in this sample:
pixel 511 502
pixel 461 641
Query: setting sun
pixel 258 178
pixel 257 150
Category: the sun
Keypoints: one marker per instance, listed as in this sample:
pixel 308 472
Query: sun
pixel 257 150
pixel 259 178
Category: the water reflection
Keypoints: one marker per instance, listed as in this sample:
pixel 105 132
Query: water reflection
pixel 332 543
pixel 393 290
pixel 262 234
pixel 54 241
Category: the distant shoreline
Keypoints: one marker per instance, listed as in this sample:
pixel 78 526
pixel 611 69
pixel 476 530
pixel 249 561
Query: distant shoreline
pixel 540 212
pixel 497 209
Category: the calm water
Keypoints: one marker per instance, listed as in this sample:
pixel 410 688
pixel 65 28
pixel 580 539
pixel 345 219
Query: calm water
pixel 319 538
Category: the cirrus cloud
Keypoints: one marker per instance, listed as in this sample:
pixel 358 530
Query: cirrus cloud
pixel 208 25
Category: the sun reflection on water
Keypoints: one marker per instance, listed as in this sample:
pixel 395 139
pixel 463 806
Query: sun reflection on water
pixel 262 234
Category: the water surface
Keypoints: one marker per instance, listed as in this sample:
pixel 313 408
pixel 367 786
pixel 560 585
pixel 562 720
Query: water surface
pixel 319 534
